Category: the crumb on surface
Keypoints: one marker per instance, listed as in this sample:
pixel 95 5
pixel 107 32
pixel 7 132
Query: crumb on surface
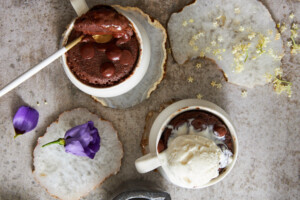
pixel 202 54
pixel 215 24
pixel 191 42
pixel 262 44
pixel 294 33
pixel 282 28
pixel 240 53
pixel 198 65
pixel 199 96
pixel 169 50
pixel 237 11
pixel 251 35
pixel 190 79
pixel 219 86
pixel 268 77
pixel 277 36
pixel 213 43
pixel 295 48
pixel 278 71
pixel 294 26
pixel 215 84
pixel 220 38
pixel 241 28
pixel 244 93
pixel 278 25
pixel 270 32
pixel 280 86
pixel 207 49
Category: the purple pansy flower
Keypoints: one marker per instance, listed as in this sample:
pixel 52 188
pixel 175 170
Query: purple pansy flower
pixel 25 120
pixel 81 140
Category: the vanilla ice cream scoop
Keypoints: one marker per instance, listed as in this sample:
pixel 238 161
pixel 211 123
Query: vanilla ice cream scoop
pixel 191 160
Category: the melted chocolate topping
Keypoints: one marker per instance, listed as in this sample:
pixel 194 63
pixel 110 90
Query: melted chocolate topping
pixel 199 120
pixel 101 20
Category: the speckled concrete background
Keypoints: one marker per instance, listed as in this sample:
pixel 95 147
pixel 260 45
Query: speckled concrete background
pixel 268 125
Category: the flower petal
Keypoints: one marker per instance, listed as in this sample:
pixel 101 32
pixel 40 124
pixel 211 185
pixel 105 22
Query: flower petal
pixel 83 140
pixel 89 153
pixel 75 148
pixel 25 119
pixel 95 145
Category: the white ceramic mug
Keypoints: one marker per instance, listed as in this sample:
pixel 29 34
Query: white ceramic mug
pixel 151 160
pixel 131 81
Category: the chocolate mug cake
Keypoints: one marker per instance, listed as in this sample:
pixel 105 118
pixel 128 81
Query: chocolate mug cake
pixel 192 143
pixel 109 51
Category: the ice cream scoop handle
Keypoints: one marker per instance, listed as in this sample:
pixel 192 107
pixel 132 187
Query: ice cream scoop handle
pixel 147 163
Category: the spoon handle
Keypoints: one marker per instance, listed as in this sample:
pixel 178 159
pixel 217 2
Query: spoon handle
pixel 79 6
pixel 38 67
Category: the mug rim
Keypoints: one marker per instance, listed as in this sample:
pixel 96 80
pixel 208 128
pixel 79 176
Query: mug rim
pixel 185 105
pixel 132 80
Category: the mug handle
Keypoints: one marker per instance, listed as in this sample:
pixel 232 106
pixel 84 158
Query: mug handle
pixel 147 163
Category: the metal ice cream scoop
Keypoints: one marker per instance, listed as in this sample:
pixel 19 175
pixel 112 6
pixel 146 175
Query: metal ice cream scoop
pixel 143 195
pixel 139 190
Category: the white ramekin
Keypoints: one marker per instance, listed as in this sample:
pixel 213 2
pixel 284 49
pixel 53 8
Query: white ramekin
pixel 131 81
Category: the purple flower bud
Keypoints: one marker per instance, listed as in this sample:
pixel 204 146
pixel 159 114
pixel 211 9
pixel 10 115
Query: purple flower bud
pixel 83 140
pixel 25 120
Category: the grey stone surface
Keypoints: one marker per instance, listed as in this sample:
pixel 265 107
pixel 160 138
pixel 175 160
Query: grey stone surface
pixel 268 125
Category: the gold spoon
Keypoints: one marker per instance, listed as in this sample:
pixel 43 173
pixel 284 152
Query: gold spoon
pixel 40 66
pixel 102 38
